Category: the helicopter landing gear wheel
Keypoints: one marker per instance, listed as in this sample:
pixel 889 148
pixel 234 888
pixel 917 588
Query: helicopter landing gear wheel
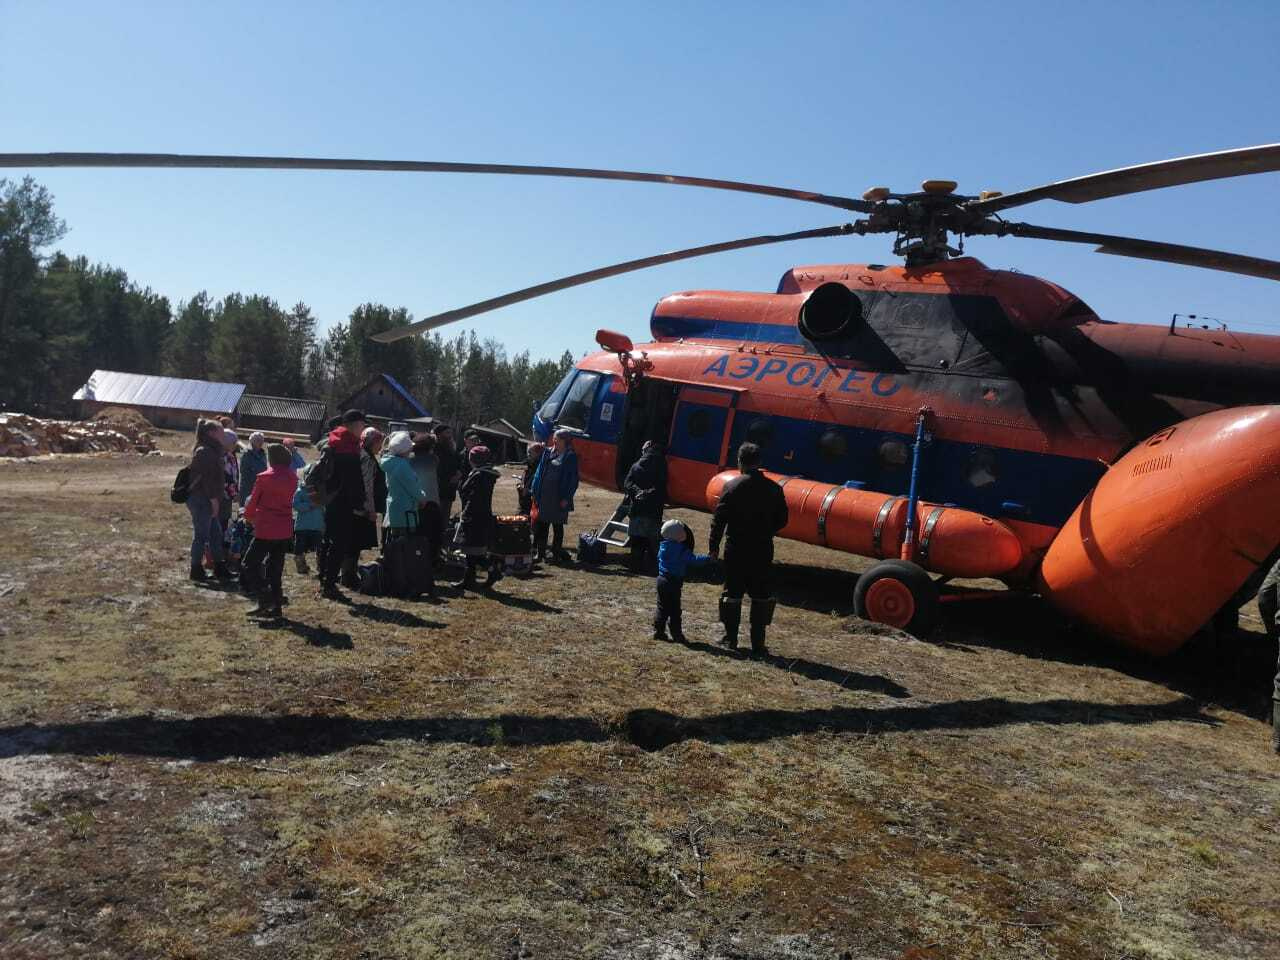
pixel 898 593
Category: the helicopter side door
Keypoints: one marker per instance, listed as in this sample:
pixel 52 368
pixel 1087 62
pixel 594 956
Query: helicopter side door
pixel 698 447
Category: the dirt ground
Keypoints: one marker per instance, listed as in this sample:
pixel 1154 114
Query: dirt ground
pixel 528 774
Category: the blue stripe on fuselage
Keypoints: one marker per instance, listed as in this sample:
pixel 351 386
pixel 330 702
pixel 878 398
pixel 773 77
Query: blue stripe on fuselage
pixel 1047 486
pixel 676 328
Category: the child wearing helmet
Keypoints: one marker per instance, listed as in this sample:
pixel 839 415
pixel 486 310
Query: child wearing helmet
pixel 675 557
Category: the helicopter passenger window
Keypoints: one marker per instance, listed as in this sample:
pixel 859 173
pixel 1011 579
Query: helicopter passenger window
pixel 893 454
pixel 761 433
pixel 576 411
pixel 833 446
pixel 549 409
pixel 982 470
pixel 699 424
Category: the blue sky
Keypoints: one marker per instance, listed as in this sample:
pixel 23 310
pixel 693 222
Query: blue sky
pixel 822 96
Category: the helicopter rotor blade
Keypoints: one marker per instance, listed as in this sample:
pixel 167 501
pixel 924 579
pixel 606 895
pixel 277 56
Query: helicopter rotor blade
pixel 1264 158
pixel 201 161
pixel 577 279
pixel 1148 249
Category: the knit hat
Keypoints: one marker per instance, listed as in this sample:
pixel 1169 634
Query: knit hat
pixel 229 438
pixel 351 416
pixel 673 530
pixel 478 455
pixel 399 443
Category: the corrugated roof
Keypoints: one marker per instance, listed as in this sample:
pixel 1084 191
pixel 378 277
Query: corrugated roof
pixel 287 408
pixel 499 425
pixel 142 390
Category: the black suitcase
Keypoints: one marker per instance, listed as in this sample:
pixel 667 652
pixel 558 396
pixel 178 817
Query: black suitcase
pixel 406 564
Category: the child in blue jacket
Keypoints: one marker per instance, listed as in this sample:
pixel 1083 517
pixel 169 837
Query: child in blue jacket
pixel 675 557
pixel 308 525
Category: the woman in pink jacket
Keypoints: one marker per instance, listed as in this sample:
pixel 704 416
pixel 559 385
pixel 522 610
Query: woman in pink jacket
pixel 270 510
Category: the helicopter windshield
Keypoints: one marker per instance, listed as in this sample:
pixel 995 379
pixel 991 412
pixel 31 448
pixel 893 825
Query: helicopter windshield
pixel 577 407
pixel 551 407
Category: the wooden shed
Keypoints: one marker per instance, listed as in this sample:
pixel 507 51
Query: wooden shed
pixel 384 400
pixel 168 402
pixel 283 415
pixel 504 440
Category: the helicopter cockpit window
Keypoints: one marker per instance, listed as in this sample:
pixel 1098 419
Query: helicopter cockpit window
pixel 551 407
pixel 576 411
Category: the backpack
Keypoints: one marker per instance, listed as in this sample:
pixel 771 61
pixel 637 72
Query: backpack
pixel 181 491
pixel 371 576
pixel 320 481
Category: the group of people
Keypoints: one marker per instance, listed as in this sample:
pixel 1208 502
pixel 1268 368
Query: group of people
pixel 364 491
pixel 367 490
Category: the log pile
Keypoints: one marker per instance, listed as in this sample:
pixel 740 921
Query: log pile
pixel 24 436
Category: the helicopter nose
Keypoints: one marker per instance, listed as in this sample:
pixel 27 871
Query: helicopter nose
pixel 1173 530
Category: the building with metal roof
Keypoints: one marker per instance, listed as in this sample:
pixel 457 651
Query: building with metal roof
pixel 281 415
pixel 165 401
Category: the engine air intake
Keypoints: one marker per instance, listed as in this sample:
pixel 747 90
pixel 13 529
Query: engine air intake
pixel 832 310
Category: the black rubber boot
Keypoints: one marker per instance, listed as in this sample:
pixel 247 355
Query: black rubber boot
pixel 469 578
pixel 349 577
pixel 677 631
pixel 197 573
pixel 761 617
pixel 731 617
pixel 495 572
pixel 222 571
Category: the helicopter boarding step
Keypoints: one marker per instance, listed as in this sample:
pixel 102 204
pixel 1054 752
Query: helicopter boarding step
pixel 616 531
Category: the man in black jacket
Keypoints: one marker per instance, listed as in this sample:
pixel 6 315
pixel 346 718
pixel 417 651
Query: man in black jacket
pixel 752 509
pixel 449 470
pixel 646 485
pixel 344 482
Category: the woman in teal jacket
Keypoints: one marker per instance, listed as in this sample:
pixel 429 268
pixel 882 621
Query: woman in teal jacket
pixel 404 491
pixel 308 524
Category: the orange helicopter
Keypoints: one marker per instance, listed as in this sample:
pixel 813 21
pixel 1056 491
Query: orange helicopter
pixel 944 418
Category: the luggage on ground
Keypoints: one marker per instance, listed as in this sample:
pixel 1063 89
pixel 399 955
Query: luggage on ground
pixel 371 576
pixel 590 550
pixel 512 544
pixel 406 561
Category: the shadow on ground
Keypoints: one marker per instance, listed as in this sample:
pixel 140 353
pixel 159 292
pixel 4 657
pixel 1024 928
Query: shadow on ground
pixel 238 735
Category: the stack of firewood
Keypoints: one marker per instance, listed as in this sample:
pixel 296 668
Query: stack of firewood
pixel 24 436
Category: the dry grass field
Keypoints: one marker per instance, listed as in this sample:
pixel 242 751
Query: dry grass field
pixel 527 774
